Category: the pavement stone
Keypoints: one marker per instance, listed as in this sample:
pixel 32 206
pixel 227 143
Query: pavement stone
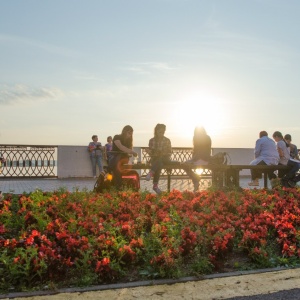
pixel 18 186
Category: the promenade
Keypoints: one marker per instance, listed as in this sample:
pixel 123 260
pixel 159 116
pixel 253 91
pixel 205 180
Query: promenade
pixel 18 186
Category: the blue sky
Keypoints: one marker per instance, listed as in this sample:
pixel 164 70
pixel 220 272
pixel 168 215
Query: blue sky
pixel 72 68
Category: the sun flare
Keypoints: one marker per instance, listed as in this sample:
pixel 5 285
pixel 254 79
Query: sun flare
pixel 200 109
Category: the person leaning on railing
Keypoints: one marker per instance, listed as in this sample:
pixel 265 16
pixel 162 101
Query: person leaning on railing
pixel 96 153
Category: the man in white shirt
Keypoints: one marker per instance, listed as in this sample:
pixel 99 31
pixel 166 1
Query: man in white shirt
pixel 265 153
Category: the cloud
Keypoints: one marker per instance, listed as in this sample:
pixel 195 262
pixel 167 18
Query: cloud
pixel 150 67
pixel 24 94
pixel 17 40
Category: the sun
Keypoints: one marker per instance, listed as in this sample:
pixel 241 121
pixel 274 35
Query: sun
pixel 199 109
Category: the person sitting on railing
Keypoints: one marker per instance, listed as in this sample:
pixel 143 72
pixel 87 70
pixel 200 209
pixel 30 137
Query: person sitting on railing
pixel 122 146
pixel 265 153
pixel 160 151
pixel 201 154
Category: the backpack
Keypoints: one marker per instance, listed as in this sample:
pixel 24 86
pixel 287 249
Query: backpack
pixel 220 158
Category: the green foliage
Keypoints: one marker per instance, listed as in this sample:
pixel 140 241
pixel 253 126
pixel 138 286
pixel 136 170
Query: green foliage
pixel 60 239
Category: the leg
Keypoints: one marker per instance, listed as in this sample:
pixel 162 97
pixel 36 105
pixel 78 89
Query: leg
pixel 116 170
pixel 93 160
pixel 99 163
pixel 256 175
pixel 194 177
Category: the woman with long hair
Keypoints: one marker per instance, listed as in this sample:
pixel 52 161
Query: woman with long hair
pixel 121 149
pixel 201 154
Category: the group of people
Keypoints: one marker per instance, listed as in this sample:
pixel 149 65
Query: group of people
pixel 160 151
pixel 276 151
pixel 98 153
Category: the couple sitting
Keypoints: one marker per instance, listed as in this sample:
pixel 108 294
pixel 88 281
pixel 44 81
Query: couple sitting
pixel 160 151
pixel 267 152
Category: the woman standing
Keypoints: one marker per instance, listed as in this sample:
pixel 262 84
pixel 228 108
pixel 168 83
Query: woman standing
pixel 121 148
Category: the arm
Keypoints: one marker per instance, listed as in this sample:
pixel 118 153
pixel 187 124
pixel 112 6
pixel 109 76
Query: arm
pixel 124 149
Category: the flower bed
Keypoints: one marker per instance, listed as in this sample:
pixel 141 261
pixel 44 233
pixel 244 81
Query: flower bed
pixel 65 239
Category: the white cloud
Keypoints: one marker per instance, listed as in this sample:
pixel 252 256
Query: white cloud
pixel 150 67
pixel 23 94
pixel 13 40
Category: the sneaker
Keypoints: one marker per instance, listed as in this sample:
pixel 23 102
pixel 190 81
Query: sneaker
pixel 149 175
pixel 254 183
pixel 157 190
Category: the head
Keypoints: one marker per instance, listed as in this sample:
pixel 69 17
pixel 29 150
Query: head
pixel 109 139
pixel 127 133
pixel 95 138
pixel 277 136
pixel 263 133
pixel 159 130
pixel 288 138
pixel 199 131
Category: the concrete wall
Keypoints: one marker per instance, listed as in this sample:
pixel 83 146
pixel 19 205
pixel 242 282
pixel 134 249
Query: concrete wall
pixel 74 161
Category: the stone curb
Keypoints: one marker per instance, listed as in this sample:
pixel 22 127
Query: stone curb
pixel 138 283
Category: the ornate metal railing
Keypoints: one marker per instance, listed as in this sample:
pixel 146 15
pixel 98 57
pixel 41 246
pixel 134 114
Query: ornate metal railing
pixel 178 154
pixel 29 161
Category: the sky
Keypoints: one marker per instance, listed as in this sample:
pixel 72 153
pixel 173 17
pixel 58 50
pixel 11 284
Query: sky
pixel 70 69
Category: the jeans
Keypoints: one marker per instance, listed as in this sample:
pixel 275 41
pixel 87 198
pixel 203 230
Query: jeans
pixel 157 164
pixel 96 160
pixel 292 172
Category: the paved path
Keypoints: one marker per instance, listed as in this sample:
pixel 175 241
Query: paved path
pixel 274 285
pixel 18 186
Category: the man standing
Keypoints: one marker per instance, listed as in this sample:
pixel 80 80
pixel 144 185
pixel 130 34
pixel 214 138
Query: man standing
pixel 265 153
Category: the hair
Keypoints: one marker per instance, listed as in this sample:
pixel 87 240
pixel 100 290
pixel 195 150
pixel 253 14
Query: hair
pixel 109 137
pixel 128 142
pixel 263 133
pixel 288 137
pixel 94 136
pixel 277 134
pixel 199 132
pixel 159 127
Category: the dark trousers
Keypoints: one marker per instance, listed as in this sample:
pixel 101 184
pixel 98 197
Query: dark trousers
pixel 157 164
pixel 115 165
pixel 258 174
pixel 290 174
